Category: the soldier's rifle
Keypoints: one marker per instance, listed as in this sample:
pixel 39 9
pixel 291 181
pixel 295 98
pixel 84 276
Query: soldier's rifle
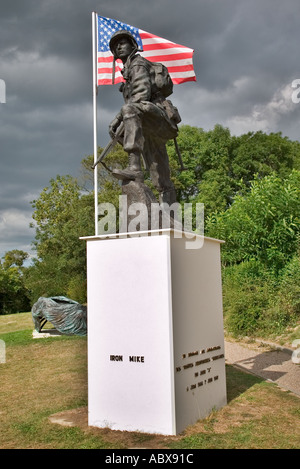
pixel 110 145
pixel 182 167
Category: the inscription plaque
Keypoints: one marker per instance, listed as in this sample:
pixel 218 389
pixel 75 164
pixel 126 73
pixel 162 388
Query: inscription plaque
pixel 207 370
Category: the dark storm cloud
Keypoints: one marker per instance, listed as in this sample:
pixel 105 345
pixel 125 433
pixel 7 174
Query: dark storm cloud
pixel 245 60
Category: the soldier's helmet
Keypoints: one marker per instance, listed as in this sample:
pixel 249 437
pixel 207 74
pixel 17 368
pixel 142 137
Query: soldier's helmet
pixel 119 35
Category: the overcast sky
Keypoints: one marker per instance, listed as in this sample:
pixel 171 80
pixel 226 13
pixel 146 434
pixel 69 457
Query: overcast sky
pixel 246 58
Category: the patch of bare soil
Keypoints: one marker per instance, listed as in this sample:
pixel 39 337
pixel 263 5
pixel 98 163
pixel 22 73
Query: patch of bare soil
pixel 121 439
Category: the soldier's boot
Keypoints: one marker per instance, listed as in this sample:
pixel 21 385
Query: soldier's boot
pixel 133 172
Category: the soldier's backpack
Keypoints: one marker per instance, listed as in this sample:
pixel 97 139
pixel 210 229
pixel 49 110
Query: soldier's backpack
pixel 163 81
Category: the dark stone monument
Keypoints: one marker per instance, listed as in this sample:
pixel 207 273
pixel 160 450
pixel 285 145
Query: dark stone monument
pixel 144 124
pixel 148 118
pixel 137 192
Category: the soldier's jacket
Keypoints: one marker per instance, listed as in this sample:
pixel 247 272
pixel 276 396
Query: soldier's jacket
pixel 139 83
pixel 140 87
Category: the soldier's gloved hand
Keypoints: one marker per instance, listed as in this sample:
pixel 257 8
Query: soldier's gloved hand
pixel 113 126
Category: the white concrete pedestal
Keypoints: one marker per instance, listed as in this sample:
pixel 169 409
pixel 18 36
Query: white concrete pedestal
pixel 155 332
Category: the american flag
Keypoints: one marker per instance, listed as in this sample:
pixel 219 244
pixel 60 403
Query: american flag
pixel 178 59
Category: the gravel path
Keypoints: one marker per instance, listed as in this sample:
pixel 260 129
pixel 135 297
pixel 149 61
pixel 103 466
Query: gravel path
pixel 273 365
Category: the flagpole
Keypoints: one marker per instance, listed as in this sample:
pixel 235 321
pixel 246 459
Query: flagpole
pixel 95 91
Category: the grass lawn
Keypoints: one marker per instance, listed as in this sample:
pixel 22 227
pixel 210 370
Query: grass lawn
pixel 43 377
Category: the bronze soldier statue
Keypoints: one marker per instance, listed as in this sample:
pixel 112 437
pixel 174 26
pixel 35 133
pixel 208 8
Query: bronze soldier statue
pixel 148 118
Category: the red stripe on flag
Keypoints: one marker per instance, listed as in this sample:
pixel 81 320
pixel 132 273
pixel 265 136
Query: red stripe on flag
pixel 107 59
pixel 181 68
pixel 108 81
pixel 102 71
pixel 145 35
pixel 170 57
pixel 162 45
pixel 177 81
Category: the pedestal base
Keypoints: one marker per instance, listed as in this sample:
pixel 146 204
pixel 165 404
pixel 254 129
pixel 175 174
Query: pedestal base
pixel 155 332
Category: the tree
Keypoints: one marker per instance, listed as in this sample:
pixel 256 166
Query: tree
pixel 14 296
pixel 62 214
pixel 16 258
pixel 220 166
pixel 260 154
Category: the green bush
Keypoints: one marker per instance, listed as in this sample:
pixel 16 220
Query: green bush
pixel 247 293
pixel 258 303
pixel 263 225
pixel 289 289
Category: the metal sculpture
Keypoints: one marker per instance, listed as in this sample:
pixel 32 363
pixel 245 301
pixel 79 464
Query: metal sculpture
pixel 67 316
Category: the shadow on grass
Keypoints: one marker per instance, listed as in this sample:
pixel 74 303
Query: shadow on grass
pixel 238 382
